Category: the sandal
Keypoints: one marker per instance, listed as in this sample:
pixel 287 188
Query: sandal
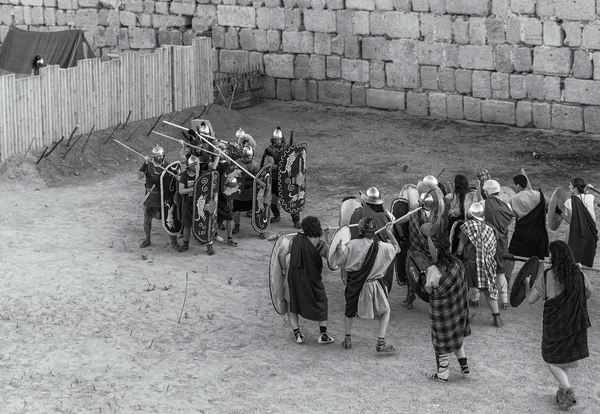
pixel 232 242
pixel 436 377
pixel 569 400
pixel 347 343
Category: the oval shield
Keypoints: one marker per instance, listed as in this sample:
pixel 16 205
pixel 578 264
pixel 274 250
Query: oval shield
pixel 261 199
pixel 277 279
pixel 206 197
pixel 416 271
pixel 292 178
pixel 171 207
pixel 558 199
pixel 232 182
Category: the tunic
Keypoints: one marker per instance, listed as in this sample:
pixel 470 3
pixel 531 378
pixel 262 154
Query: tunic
pixel 498 215
pixel 478 257
pixel 152 174
pixel 530 237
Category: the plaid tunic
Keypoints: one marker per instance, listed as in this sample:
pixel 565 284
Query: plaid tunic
pixel 418 241
pixel 483 237
pixel 449 310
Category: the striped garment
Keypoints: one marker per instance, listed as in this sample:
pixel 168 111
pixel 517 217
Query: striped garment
pixel 449 310
pixel 483 237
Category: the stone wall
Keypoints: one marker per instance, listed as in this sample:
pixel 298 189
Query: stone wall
pixel 114 25
pixel 516 62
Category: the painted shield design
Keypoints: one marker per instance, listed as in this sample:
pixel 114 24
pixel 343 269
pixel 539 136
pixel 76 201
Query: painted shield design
pixel 171 211
pixel 416 272
pixel 206 197
pixel 232 182
pixel 261 199
pixel 277 279
pixel 292 178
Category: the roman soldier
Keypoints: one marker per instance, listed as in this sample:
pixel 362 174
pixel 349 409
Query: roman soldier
pixel 244 200
pixel 151 171
pixel 272 155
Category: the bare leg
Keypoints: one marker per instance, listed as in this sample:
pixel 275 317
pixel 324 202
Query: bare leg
pixel 293 318
pixel 561 375
pixel 229 228
pixel 509 266
pixel 348 325
pixel 460 353
pixel 384 320
pixel 492 303
pixel 502 287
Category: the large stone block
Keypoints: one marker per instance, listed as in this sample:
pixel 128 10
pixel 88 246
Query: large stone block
pixel 429 77
pixel 293 19
pixel 384 4
pixel 299 90
pixel 337 45
pixel 377 48
pixel 500 85
pixel 572 33
pixel 352 47
pixel 317 66
pixel 498 112
pixel 334 67
pixel 552 61
pixel 495 31
pixel 437 105
pixel 437 6
pixel 482 84
pixel 333 92
pixel 591 118
pixel 596 60
pixel 472 108
pixel 552 88
pixel 273 39
pixel 476 57
pixel 359 95
pixel 262 18
pixel 582 64
pixel 477 31
pixel 523 60
pixel 460 30
pixel 402 25
pixel 257 60
pixel 446 79
pixel 87 18
pixel 591 36
pixel 524 114
pixel 376 74
pixel 451 55
pixel 430 53
pixel 500 7
pixel 553 34
pixel 188 9
pixel 417 103
pixel 312 90
pixel 235 60
pixel 236 16
pixel 360 4
pixel 569 118
pixel 574 9
pixel 514 30
pixel 284 89
pixel 383 99
pixel 420 5
pixel 403 51
pixel 454 107
pixel 535 87
pixel 541 114
pixel 276 18
pixel 355 70
pixel 522 6
pixel 361 24
pixel 376 23
pixel 582 91
pixel 301 67
pixel 469 7
pixel 142 38
pixel 323 21
pixel 232 38
pixel 344 24
pixel 402 75
pixel 463 80
pixel 532 31
pixel 254 39
pixel 518 89
pixel 278 65
pixel 298 42
pixel 322 43
pixel 504 58
pixel 49 17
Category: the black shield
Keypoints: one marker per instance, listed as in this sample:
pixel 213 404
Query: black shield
pixel 206 197
pixel 171 207
pixel 292 178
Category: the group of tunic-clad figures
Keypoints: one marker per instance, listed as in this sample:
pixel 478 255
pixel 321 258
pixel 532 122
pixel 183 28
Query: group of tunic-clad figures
pixel 447 244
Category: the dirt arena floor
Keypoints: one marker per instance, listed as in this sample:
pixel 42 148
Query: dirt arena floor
pixel 90 325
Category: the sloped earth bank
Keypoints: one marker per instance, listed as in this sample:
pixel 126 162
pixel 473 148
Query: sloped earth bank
pixel 88 325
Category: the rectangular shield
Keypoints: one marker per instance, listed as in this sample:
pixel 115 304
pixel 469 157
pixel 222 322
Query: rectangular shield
pixel 292 178
pixel 261 199
pixel 206 198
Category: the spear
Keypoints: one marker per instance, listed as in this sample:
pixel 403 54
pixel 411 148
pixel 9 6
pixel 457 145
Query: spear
pixel 146 158
pixel 202 136
pixel 184 143
pixel 512 257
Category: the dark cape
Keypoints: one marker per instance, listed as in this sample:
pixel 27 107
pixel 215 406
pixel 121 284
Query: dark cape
pixel 583 235
pixel 356 280
pixel 307 292
pixel 566 319
pixel 530 237
pixel 401 234
pixel 498 215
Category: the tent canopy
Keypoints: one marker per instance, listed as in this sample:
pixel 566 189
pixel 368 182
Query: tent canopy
pixel 63 48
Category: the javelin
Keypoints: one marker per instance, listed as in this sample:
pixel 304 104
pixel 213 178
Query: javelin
pixel 185 143
pixel 145 157
pixel 202 136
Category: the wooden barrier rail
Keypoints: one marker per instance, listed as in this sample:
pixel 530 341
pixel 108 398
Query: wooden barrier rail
pixel 48 106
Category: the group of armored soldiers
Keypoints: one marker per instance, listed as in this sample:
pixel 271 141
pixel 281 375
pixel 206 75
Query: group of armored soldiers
pixel 201 152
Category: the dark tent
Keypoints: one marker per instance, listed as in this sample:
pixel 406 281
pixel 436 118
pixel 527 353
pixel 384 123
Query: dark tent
pixel 20 47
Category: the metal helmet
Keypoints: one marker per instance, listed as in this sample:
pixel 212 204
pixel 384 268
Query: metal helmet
pixel 204 129
pixel 239 133
pixel 277 138
pixel 248 152
pixel 372 196
pixel 192 160
pixel 476 210
pixel 158 152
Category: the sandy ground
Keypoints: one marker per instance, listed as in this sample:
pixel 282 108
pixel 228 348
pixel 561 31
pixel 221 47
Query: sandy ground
pixel 88 325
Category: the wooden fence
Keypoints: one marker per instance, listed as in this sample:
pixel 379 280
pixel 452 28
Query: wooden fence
pixel 41 109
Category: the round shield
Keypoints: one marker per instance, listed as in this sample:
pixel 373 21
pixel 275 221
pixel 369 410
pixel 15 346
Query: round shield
pixel 470 198
pixel 343 235
pixel 277 278
pixel 349 204
pixel 531 268
pixel 232 182
pixel 411 195
pixel 416 272
pixel 559 196
pixel 454 233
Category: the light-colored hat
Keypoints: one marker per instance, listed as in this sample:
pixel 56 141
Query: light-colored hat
pixel 476 210
pixel 491 186
pixel 373 197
